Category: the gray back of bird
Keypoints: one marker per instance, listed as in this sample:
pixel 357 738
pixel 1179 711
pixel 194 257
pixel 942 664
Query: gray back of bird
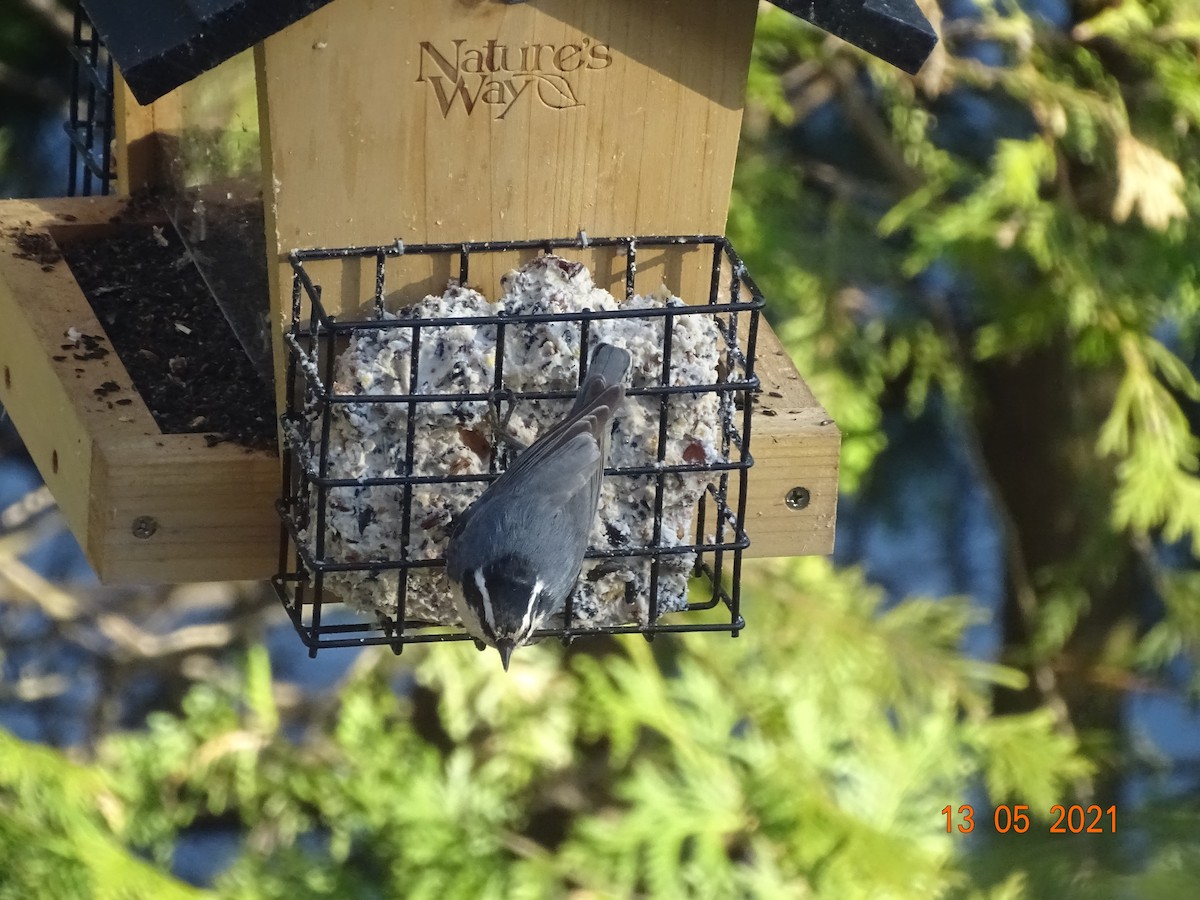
pixel 544 504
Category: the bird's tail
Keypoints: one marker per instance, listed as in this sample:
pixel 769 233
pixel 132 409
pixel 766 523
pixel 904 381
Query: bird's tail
pixel 602 392
pixel 608 367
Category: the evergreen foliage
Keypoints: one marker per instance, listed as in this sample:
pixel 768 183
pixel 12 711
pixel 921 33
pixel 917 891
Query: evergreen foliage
pixel 1046 198
pixel 811 755
pixel 58 826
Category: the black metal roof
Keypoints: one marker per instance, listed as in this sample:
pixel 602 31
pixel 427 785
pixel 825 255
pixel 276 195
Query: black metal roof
pixel 160 44
pixel 896 31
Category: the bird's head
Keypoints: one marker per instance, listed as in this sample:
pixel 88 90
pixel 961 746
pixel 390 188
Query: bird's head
pixel 506 603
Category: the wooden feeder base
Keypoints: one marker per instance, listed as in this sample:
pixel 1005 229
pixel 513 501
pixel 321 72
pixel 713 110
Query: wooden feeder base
pixel 149 507
pixel 146 507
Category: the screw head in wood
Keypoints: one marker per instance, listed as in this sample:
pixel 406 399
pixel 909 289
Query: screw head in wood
pixel 144 527
pixel 798 498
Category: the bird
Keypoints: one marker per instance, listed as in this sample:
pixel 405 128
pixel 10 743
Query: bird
pixel 515 554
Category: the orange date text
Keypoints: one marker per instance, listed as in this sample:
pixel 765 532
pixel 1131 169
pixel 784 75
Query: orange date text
pixel 1074 819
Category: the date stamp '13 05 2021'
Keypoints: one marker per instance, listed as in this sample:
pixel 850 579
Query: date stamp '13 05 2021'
pixel 1073 819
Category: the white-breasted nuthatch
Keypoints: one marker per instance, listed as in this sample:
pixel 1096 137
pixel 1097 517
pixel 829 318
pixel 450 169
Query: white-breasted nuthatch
pixel 515 554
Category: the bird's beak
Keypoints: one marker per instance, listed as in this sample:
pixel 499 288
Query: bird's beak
pixel 506 648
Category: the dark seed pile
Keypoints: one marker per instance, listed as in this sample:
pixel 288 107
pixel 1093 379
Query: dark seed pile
pixel 171 336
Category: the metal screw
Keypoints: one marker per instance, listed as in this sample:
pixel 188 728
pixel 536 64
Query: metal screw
pixel 797 498
pixel 144 527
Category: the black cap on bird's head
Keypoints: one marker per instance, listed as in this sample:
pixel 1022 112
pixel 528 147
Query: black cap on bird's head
pixel 509 601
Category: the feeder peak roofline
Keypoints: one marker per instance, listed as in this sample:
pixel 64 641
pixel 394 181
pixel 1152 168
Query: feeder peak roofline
pixel 160 44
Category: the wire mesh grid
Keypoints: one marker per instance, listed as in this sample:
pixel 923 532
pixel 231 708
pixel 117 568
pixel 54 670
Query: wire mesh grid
pixel 90 122
pixel 718 540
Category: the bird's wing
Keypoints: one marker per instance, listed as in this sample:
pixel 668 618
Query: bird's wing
pixel 587 425
pixel 570 456
pixel 562 462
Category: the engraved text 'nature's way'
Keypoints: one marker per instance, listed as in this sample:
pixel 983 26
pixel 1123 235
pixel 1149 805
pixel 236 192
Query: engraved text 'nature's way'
pixel 499 76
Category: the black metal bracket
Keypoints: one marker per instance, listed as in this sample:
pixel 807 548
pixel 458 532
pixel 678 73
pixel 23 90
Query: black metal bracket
pixel 89 125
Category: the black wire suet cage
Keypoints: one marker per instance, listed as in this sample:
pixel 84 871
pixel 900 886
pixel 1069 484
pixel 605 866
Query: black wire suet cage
pixel 309 563
pixel 90 121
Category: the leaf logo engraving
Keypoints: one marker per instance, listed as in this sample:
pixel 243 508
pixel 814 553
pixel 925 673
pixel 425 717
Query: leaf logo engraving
pixel 555 91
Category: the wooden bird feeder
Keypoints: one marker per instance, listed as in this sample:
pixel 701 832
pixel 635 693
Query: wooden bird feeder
pixel 432 122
